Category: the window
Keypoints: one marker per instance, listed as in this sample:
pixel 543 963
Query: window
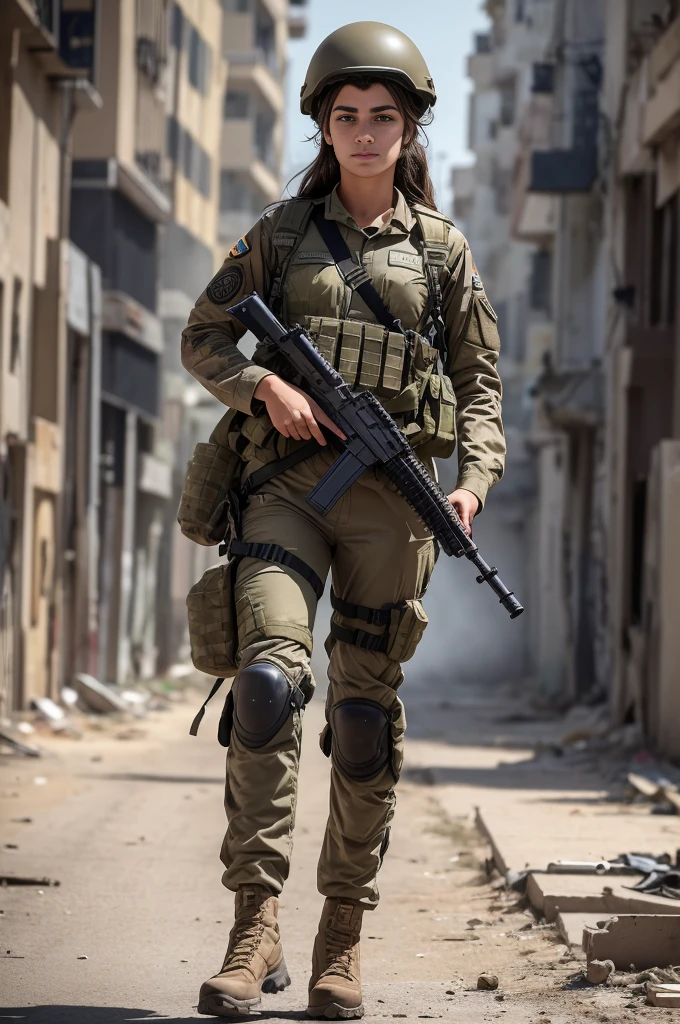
pixel 663 265
pixel 507 95
pixel 235 105
pixel 177 27
pixel 199 61
pixel 540 280
pixel 204 166
pixel 173 135
pixel 15 328
pixel 187 147
pixel 235 194
pixel 236 6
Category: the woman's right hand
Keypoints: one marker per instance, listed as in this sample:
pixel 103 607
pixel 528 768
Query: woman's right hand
pixel 293 413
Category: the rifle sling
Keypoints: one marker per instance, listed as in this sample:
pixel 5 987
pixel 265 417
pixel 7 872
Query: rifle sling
pixel 354 274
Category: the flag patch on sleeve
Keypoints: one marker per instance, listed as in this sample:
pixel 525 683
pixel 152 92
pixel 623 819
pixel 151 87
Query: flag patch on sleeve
pixel 239 248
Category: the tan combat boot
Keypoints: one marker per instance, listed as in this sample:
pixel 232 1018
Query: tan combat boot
pixel 335 985
pixel 254 960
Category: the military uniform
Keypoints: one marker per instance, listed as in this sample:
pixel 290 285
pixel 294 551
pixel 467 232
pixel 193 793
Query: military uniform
pixel 275 607
pixel 440 384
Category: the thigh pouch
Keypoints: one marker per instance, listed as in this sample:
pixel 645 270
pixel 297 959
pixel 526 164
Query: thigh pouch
pixel 403 625
pixel 213 632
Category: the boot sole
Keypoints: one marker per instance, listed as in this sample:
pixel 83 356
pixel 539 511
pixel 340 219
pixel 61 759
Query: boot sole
pixel 333 1011
pixel 219 1004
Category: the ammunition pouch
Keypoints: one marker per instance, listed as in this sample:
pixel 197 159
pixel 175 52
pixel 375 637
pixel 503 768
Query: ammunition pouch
pixel 401 371
pixel 209 505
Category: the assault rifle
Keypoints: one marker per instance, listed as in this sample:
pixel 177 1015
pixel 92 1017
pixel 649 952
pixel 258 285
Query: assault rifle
pixel 373 438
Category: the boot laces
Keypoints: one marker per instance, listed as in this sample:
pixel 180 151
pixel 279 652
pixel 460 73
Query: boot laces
pixel 339 949
pixel 244 940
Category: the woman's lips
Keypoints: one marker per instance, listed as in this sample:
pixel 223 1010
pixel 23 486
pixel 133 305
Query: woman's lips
pixel 364 156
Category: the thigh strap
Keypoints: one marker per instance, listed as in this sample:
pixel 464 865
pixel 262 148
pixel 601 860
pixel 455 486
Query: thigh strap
pixel 361 637
pixel 277 553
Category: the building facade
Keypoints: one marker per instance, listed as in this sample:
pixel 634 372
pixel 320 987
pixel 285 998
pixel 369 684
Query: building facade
pixel 594 201
pixel 47 82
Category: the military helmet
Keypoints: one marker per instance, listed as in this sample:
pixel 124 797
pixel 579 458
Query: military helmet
pixel 367 48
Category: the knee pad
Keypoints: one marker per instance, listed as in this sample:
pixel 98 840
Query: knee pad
pixel 263 702
pixel 361 738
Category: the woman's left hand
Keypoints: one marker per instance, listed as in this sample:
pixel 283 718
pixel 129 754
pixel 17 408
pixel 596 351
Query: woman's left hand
pixel 466 505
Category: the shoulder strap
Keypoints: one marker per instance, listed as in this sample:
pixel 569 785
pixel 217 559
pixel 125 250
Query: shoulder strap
pixel 434 231
pixel 288 234
pixel 354 274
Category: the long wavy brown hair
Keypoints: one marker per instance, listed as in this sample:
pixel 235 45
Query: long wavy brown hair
pixel 411 175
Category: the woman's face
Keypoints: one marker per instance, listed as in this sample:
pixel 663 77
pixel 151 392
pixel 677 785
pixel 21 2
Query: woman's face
pixel 365 130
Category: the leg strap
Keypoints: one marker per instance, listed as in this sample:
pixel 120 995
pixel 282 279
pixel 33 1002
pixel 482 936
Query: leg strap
pixel 360 637
pixel 373 616
pixel 276 553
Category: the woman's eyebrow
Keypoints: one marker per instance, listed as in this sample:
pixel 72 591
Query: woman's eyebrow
pixel 373 110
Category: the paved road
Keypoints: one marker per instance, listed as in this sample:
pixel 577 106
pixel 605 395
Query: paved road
pixel 131 828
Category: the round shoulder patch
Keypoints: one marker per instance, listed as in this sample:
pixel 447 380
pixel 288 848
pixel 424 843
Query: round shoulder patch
pixel 226 284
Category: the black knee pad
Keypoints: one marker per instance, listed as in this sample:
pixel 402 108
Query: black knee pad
pixel 361 737
pixel 263 702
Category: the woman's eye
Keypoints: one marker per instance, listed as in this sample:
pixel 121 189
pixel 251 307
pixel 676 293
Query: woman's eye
pixel 384 117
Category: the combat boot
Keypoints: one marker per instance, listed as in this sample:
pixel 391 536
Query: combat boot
pixel 254 960
pixel 335 985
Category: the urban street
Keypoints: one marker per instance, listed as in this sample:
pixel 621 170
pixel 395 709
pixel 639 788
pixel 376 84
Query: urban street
pixel 129 819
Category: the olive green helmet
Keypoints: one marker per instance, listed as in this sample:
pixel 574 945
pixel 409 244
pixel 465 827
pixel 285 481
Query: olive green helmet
pixel 367 48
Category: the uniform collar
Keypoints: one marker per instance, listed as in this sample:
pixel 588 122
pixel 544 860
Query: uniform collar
pixel 402 217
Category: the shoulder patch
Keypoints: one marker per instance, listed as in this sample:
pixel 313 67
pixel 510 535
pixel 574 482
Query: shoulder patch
pixel 226 284
pixel 477 282
pixel 239 248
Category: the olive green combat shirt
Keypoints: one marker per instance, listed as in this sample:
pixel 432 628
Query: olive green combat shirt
pixel 392 255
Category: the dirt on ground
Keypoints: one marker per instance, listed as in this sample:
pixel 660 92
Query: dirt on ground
pixel 129 819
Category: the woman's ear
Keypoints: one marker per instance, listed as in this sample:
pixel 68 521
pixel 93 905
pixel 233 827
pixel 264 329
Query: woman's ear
pixel 327 137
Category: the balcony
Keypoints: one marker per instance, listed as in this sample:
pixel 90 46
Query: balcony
pixel 60 39
pixel 662 110
pixel 250 70
pixel 241 152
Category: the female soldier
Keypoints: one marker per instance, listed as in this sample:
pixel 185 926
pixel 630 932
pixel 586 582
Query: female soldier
pixel 369 192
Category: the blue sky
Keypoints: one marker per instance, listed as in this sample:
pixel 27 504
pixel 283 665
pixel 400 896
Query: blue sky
pixel 442 29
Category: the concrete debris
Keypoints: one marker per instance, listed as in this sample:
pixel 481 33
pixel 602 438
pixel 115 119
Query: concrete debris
pixel 25 728
pixel 48 710
pixel 599 971
pixel 8 739
pixel 98 696
pixel 69 696
pixel 663 995
pixel 488 982
pixel 646 940
pixel 552 895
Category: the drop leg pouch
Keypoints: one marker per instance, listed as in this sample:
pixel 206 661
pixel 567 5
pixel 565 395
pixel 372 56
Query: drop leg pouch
pixel 212 621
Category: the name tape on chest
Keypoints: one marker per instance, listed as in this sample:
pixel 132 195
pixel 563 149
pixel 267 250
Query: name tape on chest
pixel 399 258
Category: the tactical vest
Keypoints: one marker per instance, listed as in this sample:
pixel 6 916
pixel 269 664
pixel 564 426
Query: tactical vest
pixel 405 373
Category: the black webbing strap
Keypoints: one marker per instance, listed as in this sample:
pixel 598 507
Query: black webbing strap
pixel 272 469
pixel 276 553
pixel 360 638
pixel 353 273
pixel 373 616
pixel 193 731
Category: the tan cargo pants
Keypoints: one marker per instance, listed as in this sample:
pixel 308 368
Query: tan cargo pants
pixel 379 552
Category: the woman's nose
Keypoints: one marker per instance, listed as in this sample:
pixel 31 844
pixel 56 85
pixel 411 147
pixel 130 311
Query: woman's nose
pixel 364 136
